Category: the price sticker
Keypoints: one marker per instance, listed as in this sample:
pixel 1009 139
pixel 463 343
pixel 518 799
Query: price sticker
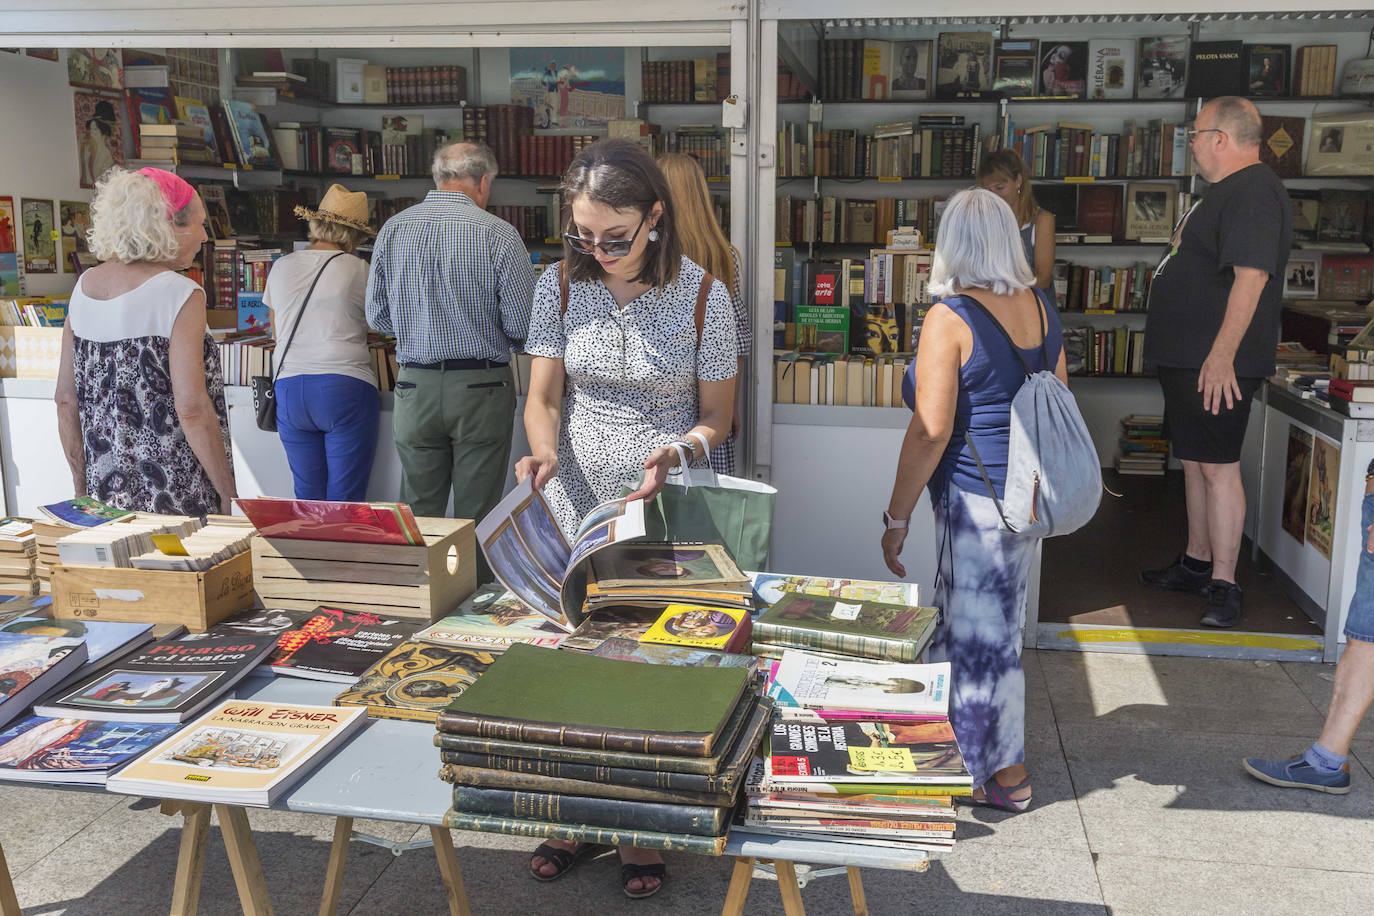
pixel 882 758
pixel 845 611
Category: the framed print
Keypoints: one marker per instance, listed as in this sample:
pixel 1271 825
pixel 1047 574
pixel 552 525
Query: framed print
pixel 39 236
pixel 1300 277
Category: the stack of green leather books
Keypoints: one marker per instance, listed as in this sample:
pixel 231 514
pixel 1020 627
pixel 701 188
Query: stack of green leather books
pixel 577 747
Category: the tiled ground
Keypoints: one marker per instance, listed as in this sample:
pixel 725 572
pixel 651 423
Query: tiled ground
pixel 1141 808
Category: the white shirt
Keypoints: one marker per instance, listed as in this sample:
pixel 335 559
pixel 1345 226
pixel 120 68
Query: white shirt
pixel 332 338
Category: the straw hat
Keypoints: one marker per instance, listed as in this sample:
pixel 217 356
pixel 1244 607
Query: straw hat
pixel 342 206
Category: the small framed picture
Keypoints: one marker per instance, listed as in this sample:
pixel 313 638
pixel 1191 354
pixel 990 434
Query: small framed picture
pixel 1300 277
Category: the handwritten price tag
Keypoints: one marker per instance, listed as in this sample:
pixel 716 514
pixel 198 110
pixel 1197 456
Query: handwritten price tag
pixel 881 758
pixel 845 611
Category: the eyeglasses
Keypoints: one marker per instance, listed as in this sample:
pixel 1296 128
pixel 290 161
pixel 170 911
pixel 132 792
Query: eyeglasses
pixel 616 248
pixel 1194 131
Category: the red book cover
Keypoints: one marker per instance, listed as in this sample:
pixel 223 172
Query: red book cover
pixel 1099 208
pixel 324 520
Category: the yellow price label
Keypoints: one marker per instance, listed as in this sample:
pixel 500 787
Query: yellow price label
pixel 169 544
pixel 56 235
pixel 882 758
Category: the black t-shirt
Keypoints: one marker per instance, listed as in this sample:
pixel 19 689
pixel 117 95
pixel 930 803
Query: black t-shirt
pixel 1244 220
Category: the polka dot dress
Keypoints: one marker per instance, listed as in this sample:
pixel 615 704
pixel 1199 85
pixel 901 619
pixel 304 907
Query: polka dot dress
pixel 632 377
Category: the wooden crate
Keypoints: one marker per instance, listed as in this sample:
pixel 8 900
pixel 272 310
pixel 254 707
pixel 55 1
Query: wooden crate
pixel 195 600
pixel 416 583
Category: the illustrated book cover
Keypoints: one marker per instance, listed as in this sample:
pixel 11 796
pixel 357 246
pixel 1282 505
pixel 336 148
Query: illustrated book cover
pixel 1163 67
pixel 631 650
pixel 865 752
pixel 493 619
pixel 105 640
pixel 83 512
pixel 326 644
pixel 769 587
pixel 1266 68
pixel 866 628
pixel 814 682
pixel 1013 65
pixel 1063 68
pixel 330 520
pixel 963 65
pixel 416 681
pixel 32 665
pixel 73 751
pixel 1111 68
pixel 251 141
pixel 701 627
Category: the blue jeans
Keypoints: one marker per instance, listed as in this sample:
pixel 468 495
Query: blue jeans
pixel 1359 620
pixel 328 424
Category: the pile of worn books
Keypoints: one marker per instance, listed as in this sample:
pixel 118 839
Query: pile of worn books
pixel 654 574
pixel 570 746
pixel 843 627
pixel 862 751
pixel 18 551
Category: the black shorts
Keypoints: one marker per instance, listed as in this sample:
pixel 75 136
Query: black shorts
pixel 1195 433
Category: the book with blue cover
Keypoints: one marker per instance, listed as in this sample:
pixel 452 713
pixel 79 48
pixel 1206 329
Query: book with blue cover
pixel 73 751
pixel 250 137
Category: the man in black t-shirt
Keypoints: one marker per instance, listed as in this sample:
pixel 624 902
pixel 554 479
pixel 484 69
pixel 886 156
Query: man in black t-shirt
pixel 1211 333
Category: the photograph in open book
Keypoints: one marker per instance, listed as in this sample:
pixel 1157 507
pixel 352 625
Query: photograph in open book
pixel 654 564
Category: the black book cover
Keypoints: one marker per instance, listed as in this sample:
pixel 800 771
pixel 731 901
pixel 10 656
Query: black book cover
pixel 1063 68
pixel 326 644
pixel 699 820
pixel 1340 216
pixel 1216 68
pixel 1062 201
pixel 1266 68
pixel 1306 204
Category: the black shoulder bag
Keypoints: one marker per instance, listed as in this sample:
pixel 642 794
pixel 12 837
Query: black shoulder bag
pixel 264 386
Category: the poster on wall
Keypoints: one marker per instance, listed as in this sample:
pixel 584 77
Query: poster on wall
pixel 76 221
pixel 95 68
pixel 1297 471
pixel 10 284
pixel 569 87
pixel 99 137
pixel 39 235
pixel 1321 494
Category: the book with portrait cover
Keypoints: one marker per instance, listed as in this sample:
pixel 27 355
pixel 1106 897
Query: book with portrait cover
pixel 701 627
pixel 168 681
pixel 868 629
pixel 813 682
pixel 1266 68
pixel 32 665
pixel 73 751
pixel 416 681
pixel 1063 68
pixel 864 753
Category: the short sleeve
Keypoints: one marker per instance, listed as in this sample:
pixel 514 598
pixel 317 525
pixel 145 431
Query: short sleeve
pixel 546 337
pixel 1250 232
pixel 717 359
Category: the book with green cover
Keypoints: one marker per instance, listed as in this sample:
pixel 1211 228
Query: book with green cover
pixel 869 629
pixel 745 717
pixel 530 782
pixel 698 820
pixel 581 833
pixel 574 700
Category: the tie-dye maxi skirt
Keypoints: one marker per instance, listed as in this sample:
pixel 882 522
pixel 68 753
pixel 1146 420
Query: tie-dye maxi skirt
pixel 980 588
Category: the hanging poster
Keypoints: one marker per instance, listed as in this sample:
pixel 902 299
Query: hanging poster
pixel 569 87
pixel 99 137
pixel 1321 494
pixel 9 249
pixel 40 236
pixel 1296 473
pixel 96 68
pixel 76 220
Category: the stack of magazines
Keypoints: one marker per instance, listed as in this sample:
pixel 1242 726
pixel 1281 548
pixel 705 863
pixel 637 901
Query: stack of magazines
pixel 576 747
pixel 858 750
pixel 654 574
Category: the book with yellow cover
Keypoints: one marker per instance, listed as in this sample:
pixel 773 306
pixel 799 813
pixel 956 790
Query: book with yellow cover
pixel 701 627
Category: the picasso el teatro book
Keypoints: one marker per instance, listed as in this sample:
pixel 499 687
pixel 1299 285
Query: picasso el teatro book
pixel 241 753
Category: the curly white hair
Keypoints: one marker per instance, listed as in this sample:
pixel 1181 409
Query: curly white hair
pixel 129 220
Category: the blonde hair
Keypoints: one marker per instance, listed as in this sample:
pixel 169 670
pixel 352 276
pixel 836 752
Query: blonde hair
pixel 702 238
pixel 979 246
pixel 332 233
pixel 129 220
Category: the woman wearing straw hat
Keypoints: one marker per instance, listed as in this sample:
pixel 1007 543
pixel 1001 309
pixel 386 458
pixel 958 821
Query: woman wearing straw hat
pixel 326 389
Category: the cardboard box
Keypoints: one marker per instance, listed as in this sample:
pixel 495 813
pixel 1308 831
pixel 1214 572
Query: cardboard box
pixel 30 352
pixel 196 600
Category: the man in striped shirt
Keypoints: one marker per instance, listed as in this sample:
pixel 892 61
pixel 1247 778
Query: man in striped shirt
pixel 453 284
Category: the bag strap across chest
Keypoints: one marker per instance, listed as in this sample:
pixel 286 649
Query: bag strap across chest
pixel 1016 351
pixel 699 316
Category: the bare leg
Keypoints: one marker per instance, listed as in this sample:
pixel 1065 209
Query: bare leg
pixel 1352 697
pixel 1195 494
pixel 1008 777
pixel 1225 516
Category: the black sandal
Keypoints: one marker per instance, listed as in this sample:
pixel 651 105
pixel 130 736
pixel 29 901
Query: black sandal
pixel 629 871
pixel 560 859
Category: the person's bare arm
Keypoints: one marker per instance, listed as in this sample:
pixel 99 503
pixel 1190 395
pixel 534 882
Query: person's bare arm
pixel 713 421
pixel 1044 249
pixel 1217 378
pixel 543 411
pixel 69 414
pixel 194 409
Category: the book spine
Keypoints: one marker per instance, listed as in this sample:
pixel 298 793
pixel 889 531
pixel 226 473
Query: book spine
pixel 608 788
pixel 572 736
pixel 472 745
pixel 588 772
pixel 900 650
pixel 697 820
pixel 644 839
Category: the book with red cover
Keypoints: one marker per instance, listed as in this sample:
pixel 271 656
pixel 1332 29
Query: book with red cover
pixel 1099 210
pixel 1347 276
pixel 325 520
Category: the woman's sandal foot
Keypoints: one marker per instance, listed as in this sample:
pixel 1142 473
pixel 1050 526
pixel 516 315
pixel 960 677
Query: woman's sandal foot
pixel 643 873
pixel 559 857
pixel 1003 798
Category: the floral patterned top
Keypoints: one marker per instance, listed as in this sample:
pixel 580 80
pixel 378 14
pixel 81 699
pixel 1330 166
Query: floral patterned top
pixel 137 456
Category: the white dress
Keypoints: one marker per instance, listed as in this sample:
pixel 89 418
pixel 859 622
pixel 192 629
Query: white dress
pixel 631 378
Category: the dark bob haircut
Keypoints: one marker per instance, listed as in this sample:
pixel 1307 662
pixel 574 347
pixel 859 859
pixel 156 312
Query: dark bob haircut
pixel 621 175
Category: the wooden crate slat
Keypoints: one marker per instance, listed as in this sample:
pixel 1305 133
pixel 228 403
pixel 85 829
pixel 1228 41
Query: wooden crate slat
pixel 339 571
pixel 329 592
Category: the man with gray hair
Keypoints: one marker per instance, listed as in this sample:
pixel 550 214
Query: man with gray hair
pixel 453 284
pixel 1211 332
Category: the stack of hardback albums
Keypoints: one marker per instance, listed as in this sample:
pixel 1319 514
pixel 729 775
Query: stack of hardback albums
pixel 576 747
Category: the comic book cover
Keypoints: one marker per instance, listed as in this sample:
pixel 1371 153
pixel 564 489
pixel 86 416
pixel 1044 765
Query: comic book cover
pixel 40 231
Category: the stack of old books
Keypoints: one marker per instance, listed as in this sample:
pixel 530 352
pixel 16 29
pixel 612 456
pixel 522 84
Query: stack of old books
pixel 655 574
pixel 575 747
pixel 1144 448
pixel 844 627
pixel 18 551
pixel 858 750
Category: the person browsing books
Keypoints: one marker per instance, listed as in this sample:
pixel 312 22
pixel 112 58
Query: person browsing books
pixel 140 394
pixel 452 283
pixel 1004 174
pixel 615 325
pixel 965 378
pixel 705 243
pixel 326 390
pixel 1211 331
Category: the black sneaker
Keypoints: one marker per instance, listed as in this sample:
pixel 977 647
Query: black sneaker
pixel 1224 604
pixel 1177 577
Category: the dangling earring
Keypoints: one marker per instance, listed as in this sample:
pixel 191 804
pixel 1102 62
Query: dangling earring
pixel 653 235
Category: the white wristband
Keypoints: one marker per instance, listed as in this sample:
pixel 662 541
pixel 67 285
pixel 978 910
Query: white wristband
pixel 705 443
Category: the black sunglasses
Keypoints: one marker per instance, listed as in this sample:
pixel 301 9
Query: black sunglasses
pixel 616 248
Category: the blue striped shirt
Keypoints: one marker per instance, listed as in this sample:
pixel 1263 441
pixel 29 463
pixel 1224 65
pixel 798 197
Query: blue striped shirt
pixel 450 281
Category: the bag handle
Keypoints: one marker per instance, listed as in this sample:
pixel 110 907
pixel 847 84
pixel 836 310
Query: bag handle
pixel 280 362
pixel 1044 331
pixel 699 316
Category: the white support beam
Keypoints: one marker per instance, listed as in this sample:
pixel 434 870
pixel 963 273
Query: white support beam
pixel 763 176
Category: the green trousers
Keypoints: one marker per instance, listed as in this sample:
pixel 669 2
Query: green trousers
pixel 453 432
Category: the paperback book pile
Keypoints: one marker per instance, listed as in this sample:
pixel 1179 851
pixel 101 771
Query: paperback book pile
pixel 574 747
pixel 859 750
pixel 203 548
pixel 655 574
pixel 1144 450
pixel 117 545
pixel 18 552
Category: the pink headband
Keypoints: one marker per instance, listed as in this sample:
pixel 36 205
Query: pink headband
pixel 175 191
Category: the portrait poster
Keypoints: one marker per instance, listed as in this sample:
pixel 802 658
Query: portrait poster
pixel 95 68
pixel 1321 494
pixel 911 70
pixel 569 87
pixel 99 136
pixel 75 216
pixel 39 235
pixel 1297 471
pixel 9 249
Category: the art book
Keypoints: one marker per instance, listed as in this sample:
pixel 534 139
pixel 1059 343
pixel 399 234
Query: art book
pixel 96 68
pixel 253 314
pixel 653 573
pixel 1111 68
pixel 169 681
pixel 493 619
pixel 864 753
pixel 253 145
pixel 329 520
pixel 1013 65
pixel 10 264
pixel 837 685
pixel 630 650
pixel 75 218
pixel 701 627
pixel 769 588
pixel 609 623
pixel 865 628
pixel 105 640
pixel 241 753
pixel 963 64
pixel 416 681
pixel 31 666
pixel 83 512
pixel 73 751
pixel 193 111
pixel 1063 68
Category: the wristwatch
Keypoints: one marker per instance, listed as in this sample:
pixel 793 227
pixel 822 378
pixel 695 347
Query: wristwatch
pixel 889 522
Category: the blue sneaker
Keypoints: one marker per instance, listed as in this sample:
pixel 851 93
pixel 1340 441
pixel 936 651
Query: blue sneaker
pixel 1297 773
